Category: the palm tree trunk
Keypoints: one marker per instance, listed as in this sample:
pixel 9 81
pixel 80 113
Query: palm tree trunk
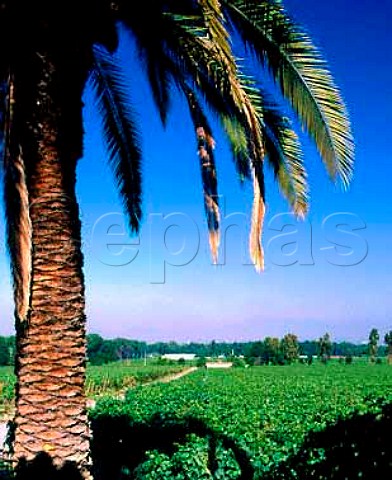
pixel 51 411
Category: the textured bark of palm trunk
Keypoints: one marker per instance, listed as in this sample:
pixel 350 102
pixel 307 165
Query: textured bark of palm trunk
pixel 51 411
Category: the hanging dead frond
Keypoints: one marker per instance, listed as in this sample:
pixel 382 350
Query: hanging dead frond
pixel 258 214
pixel 206 144
pixel 16 199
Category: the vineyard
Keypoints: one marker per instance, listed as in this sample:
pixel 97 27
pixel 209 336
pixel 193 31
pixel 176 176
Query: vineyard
pixel 262 422
pixel 119 376
pixel 110 379
pixel 285 422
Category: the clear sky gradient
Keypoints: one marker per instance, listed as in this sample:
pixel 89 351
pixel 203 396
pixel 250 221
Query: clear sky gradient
pixel 302 289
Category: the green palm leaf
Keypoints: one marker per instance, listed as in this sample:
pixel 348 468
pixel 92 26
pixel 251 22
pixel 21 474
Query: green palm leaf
pixel 120 131
pixel 238 141
pixel 160 83
pixel 284 154
pixel 297 65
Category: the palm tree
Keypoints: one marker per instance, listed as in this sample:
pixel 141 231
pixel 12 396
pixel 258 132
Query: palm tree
pixel 185 47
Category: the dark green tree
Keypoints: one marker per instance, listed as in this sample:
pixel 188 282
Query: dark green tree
pixel 325 347
pixel 272 351
pixel 11 342
pixel 374 338
pixel 255 353
pixel 290 348
pixel 201 362
pixel 94 345
pixel 4 352
pixel 388 341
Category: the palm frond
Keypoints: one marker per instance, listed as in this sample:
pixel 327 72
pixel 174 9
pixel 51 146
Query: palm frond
pixel 150 25
pixel 199 48
pixel 238 141
pixel 241 98
pixel 158 68
pixel 206 144
pixel 284 154
pixel 298 67
pixel 217 33
pixel 120 131
pixel 182 55
pixel 160 80
pixel 16 200
pixel 219 80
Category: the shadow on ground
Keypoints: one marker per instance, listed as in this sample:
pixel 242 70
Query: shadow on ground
pixel 359 447
pixel 41 468
pixel 119 446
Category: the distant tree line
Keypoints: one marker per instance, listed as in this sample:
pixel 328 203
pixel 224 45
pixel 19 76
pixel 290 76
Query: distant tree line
pixel 270 350
pixel 100 350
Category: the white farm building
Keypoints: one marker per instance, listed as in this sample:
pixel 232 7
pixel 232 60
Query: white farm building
pixel 177 356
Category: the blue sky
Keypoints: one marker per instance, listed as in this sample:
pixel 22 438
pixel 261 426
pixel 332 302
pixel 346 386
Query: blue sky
pixel 305 292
